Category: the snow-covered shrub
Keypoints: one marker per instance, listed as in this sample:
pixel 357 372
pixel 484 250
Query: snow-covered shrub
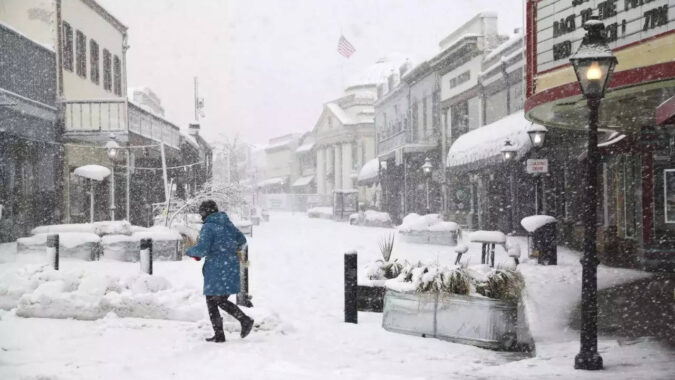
pixel 383 270
pixel 455 280
pixel 505 285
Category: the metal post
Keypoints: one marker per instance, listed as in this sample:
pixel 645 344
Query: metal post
pixel 512 190
pixel 351 314
pixel 91 201
pixel 428 208
pixel 146 256
pixel 128 184
pixel 53 251
pixel 112 193
pixel 164 174
pixel 243 298
pixel 588 356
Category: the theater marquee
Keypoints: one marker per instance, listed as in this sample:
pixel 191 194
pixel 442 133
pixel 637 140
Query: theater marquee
pixel 640 32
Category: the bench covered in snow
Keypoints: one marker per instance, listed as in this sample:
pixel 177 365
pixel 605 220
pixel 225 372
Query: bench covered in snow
pixel 488 239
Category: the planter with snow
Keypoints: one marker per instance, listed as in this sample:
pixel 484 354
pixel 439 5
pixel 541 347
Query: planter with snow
pixel 371 218
pixel 78 245
pixel 370 291
pixel 476 305
pixel 428 229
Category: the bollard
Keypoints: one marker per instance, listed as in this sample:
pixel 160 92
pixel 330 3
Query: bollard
pixel 146 256
pixel 351 314
pixel 243 298
pixel 53 251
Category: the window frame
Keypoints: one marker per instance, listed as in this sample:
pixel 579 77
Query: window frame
pixel 94 62
pixel 117 76
pixel 67 49
pixel 80 54
pixel 107 70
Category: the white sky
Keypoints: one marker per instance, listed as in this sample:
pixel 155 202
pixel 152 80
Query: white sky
pixel 265 67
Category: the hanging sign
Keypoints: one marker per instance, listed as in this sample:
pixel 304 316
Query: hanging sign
pixel 537 166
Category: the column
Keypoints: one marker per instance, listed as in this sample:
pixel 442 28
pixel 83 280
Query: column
pixel 337 169
pixel 321 171
pixel 347 166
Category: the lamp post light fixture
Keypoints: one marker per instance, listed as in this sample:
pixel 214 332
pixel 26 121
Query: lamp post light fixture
pixel 426 168
pixel 593 64
pixel 509 153
pixel 537 135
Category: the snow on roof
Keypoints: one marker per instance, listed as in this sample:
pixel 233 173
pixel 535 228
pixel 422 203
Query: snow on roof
pixel 190 139
pixel 534 222
pixel 303 181
pixel 369 171
pixel 281 141
pixel 306 147
pixel 95 172
pixel 514 39
pixel 340 114
pixel 271 181
pixel 486 143
pixel 379 71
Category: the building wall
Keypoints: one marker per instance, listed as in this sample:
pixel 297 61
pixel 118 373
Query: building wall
pixel 82 17
pixel 32 18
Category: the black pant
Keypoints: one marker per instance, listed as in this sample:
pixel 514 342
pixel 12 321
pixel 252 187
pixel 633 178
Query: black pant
pixel 213 302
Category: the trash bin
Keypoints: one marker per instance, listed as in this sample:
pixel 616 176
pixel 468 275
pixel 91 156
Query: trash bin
pixel 544 237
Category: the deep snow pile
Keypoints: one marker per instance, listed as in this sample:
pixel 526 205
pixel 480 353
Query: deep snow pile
pixel 38 291
pixel 371 218
pixel 320 212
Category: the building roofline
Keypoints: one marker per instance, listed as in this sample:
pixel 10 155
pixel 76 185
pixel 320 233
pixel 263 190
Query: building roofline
pixel 106 15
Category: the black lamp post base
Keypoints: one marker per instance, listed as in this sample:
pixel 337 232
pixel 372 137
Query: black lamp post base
pixel 591 361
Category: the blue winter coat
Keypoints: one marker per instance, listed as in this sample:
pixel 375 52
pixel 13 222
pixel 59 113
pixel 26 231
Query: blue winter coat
pixel 219 241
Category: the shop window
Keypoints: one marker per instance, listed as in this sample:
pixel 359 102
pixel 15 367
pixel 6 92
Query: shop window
pixel 94 73
pixel 81 54
pixel 67 49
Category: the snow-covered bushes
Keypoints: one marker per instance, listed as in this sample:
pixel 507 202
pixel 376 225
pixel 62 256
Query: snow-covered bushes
pixel 480 280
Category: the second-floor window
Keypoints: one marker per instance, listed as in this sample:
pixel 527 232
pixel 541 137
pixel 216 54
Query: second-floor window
pixel 81 54
pixel 107 70
pixel 67 49
pixel 94 62
pixel 117 66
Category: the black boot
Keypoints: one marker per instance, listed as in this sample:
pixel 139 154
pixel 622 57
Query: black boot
pixel 246 326
pixel 219 337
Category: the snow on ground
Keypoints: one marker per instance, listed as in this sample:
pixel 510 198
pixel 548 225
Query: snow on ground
pixel 296 279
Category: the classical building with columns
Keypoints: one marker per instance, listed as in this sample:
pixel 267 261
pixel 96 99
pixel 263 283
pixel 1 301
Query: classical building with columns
pixel 345 132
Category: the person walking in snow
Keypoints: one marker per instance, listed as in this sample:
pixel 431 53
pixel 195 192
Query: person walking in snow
pixel 219 242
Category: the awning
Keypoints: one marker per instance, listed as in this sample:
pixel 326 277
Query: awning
pixel 665 112
pixel 271 182
pixel 609 142
pixel 482 146
pixel 95 172
pixel 369 172
pixel 303 181
pixel 306 147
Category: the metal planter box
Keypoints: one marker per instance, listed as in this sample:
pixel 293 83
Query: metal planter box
pixel 430 237
pixel 477 321
pixel 370 297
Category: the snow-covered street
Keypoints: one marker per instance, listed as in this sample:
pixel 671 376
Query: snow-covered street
pixel 297 286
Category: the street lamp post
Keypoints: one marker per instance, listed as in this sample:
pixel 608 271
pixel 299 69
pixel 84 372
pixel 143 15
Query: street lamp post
pixel 112 147
pixel 426 168
pixel 509 153
pixel 593 64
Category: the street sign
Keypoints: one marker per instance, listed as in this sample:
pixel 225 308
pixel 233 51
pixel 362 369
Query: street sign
pixel 536 166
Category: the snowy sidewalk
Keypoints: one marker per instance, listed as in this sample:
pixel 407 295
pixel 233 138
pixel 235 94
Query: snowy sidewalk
pixel 297 280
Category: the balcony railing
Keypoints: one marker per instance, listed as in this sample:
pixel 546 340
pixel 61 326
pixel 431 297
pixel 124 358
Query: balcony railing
pixel 95 116
pixel 402 139
pixel 119 115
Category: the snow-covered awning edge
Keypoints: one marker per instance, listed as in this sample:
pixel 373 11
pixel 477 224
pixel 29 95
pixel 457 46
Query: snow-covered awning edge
pixel 369 173
pixel 482 146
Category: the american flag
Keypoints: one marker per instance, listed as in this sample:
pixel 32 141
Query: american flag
pixel 344 47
